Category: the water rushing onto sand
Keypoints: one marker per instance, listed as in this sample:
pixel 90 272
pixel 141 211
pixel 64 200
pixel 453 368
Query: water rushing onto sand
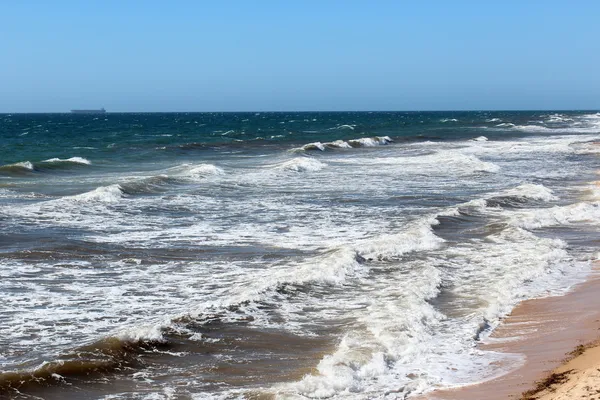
pixel 281 255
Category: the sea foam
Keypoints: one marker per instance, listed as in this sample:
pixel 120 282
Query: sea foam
pixel 75 160
pixel 106 194
pixel 301 164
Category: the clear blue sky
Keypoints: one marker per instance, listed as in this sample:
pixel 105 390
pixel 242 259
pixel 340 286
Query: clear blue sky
pixel 299 55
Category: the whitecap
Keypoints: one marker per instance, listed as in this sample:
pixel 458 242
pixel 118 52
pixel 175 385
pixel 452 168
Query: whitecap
pixel 578 213
pixel 419 237
pixel 479 139
pixel 531 191
pixel 313 146
pixel 203 170
pixel 370 141
pixel 75 160
pixel 344 126
pixel 23 164
pixel 338 144
pixel 302 164
pixel 105 194
pixel 142 333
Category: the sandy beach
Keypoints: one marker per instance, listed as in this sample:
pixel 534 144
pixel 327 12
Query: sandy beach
pixel 578 378
pixel 558 336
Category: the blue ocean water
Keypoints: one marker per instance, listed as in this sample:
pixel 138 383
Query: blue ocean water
pixel 287 255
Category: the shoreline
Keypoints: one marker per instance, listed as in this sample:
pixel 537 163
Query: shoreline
pixel 545 331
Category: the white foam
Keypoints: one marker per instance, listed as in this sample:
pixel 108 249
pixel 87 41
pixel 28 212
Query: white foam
pixel 313 146
pixel 106 194
pixel 23 164
pixel 203 170
pixel 344 126
pixel 532 128
pixel 451 161
pixel 75 160
pixel 578 213
pixel 551 144
pixel 418 237
pixel 531 191
pixel 142 333
pixel 302 164
pixel 360 142
pixel 589 123
pixel 332 268
pixel 588 148
pixel 558 118
pixel 370 141
pixel 401 344
pixel 440 162
pixel 480 139
pixel 26 164
pixel 340 144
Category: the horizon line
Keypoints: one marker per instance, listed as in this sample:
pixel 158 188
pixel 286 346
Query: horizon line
pixel 312 111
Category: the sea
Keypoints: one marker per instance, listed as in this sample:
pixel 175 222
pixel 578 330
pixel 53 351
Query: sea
pixel 288 255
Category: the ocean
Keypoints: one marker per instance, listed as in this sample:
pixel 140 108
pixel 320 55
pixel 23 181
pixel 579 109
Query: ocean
pixel 292 255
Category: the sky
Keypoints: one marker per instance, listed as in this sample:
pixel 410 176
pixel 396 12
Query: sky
pixel 302 55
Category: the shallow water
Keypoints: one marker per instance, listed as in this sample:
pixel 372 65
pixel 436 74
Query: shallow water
pixel 285 255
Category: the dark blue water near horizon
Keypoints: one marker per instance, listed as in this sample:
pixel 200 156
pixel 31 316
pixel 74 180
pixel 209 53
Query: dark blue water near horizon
pixel 140 135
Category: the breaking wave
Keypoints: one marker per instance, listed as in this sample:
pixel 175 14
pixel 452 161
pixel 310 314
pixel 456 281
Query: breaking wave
pixel 397 331
pixel 73 160
pixel 107 355
pixel 393 333
pixel 26 167
pixel 198 171
pixel 104 194
pixel 352 143
pixel 531 191
pixel 302 164
pixel 460 162
pixel 19 168
pixel 578 213
pixel 556 124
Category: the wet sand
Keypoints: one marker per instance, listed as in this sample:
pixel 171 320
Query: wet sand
pixel 544 331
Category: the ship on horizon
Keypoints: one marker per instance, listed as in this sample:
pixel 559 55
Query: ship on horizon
pixel 100 111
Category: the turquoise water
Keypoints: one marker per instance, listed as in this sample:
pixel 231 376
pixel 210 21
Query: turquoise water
pixel 286 255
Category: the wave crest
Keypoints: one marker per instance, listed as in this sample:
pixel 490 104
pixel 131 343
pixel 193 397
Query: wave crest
pixel 531 191
pixel 351 143
pixel 102 357
pixel 19 168
pixel 203 170
pixel 105 194
pixel 74 160
pixel 302 164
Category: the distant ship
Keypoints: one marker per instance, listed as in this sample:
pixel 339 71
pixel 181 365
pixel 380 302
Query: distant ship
pixel 100 111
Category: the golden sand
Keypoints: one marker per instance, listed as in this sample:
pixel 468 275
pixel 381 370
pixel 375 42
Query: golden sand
pixel 578 378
